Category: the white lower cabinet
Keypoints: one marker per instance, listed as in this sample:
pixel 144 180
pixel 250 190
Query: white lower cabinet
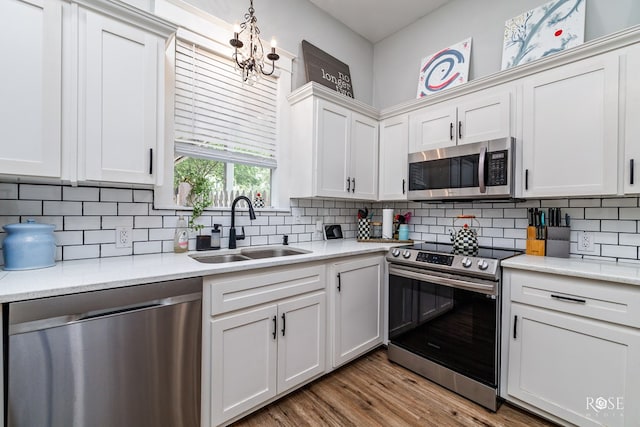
pixel 266 335
pixel 356 291
pixel 574 348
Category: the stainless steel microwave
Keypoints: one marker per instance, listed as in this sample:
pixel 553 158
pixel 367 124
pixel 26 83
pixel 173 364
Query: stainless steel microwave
pixel 470 171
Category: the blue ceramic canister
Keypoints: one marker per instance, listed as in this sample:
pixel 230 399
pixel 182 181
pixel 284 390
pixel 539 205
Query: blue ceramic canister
pixel 29 245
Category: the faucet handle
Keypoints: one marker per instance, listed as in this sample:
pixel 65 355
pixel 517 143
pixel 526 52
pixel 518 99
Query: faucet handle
pixel 240 236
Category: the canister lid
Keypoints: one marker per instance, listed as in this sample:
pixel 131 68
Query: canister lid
pixel 30 225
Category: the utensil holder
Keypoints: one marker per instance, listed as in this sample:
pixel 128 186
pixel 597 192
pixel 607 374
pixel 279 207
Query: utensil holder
pixel 558 241
pixel 534 246
pixel 364 228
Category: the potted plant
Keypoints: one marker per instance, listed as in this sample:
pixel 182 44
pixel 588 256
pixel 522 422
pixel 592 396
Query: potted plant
pixel 198 174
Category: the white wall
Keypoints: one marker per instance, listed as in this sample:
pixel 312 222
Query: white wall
pixel 290 22
pixel 397 58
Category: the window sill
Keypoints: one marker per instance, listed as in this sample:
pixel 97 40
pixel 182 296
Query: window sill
pixel 220 209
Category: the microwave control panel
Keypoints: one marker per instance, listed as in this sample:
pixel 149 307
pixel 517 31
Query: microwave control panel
pixel 497 168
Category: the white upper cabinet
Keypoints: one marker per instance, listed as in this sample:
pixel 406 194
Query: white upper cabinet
pixel 334 148
pixel 631 165
pixel 570 129
pixel 394 147
pixel 481 116
pixel 120 110
pixel 31 87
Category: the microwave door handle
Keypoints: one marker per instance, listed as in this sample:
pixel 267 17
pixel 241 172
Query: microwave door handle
pixel 481 164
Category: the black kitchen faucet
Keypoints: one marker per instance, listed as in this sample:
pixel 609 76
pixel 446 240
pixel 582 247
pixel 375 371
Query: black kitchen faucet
pixel 232 232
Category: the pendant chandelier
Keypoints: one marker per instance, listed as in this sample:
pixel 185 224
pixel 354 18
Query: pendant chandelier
pixel 249 54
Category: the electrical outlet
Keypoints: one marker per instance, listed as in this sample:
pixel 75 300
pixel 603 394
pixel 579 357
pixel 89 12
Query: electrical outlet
pixel 123 237
pixel 585 241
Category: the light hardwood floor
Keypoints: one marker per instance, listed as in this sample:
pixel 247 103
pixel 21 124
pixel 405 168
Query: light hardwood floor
pixel 375 392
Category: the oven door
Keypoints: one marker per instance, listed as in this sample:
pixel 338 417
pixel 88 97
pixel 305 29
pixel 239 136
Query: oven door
pixel 450 320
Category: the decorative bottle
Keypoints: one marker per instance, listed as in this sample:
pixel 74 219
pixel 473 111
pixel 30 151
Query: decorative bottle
pixel 181 238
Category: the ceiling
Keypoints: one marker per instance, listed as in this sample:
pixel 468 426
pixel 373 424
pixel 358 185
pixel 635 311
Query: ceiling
pixel 377 19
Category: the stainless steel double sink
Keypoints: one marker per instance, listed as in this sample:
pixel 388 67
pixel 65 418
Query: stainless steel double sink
pixel 249 253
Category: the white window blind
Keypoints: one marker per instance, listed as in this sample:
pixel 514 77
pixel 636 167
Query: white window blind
pixel 219 118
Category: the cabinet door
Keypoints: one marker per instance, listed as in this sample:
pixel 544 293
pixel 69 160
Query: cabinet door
pixel 31 87
pixel 364 157
pixel 631 166
pixel 333 150
pixel 570 129
pixel 118 126
pixel 483 118
pixel 301 346
pixel 394 146
pixel 432 127
pixel 566 365
pixel 358 309
pixel 243 370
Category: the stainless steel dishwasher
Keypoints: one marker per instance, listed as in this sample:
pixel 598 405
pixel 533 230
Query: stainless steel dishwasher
pixel 120 357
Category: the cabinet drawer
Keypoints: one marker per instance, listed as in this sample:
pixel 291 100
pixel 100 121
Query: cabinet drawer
pixel 608 301
pixel 240 290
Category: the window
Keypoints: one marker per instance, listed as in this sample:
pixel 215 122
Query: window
pixel 223 129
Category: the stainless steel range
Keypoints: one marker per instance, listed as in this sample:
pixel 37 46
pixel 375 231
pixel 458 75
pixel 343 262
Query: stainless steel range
pixel 444 316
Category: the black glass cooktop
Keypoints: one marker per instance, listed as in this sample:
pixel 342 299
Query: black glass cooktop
pixel 483 252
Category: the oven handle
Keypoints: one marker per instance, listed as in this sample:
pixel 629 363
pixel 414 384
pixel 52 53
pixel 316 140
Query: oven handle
pixel 444 281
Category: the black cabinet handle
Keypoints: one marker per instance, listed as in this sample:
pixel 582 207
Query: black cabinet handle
pixel 284 323
pixel 275 327
pixel 569 299
pixel 353 187
pixel 460 129
pixel 404 181
pixel 150 161
pixel 526 179
pixel 348 184
pixel 451 131
pixel 631 172
pixel 339 283
pixel 515 327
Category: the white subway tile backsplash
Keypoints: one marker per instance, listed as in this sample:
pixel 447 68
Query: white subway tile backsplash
pixel 81 194
pixel 116 195
pixel 82 222
pixel 20 207
pixel 601 213
pixel 110 250
pixel 629 252
pixel 111 222
pixel 80 252
pixel 57 221
pixel 40 192
pixel 90 232
pixel 147 222
pixel 147 247
pixel 8 191
pixel 585 203
pixel 133 209
pixel 61 208
pixel 99 208
pixel 630 213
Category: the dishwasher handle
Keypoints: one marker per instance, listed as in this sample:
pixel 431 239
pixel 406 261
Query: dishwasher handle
pixel 70 319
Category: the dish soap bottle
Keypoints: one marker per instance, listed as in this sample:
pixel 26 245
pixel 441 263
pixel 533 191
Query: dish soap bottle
pixel 216 233
pixel 181 238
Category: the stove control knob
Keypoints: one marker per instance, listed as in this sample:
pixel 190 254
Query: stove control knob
pixel 395 252
pixel 466 262
pixel 482 264
pixel 406 254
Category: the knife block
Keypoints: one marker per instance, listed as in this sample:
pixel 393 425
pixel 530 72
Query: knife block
pixel 558 241
pixel 534 246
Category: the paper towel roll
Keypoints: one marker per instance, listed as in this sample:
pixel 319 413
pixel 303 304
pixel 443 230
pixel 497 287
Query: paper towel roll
pixel 387 223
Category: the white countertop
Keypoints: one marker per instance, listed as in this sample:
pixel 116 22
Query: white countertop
pixel 102 273
pixel 589 269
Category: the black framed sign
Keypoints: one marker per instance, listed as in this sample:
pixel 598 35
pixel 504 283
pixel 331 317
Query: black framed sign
pixel 320 67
